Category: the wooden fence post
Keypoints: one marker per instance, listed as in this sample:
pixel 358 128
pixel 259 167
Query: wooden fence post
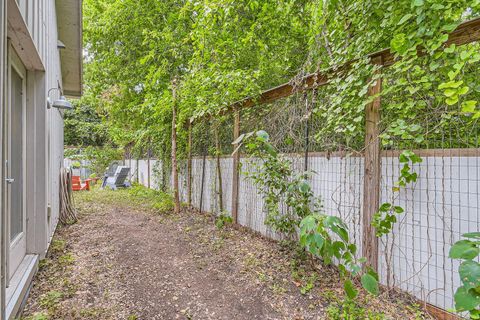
pixel 372 173
pixel 307 132
pixel 148 168
pixel 130 173
pixel 219 169
pixel 236 167
pixel 137 173
pixel 204 160
pixel 189 166
pixel 176 197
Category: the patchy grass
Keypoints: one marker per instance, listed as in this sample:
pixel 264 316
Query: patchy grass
pixel 53 278
pixel 137 197
pixel 90 271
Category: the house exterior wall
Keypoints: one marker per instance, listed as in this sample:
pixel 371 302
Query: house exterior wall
pixel 31 28
pixel 3 25
pixel 44 126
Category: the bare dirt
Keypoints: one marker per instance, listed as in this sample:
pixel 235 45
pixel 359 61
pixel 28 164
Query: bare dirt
pixel 123 261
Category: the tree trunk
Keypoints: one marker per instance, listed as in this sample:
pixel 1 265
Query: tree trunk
pixel 189 164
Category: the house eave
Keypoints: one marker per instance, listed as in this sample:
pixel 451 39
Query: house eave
pixel 69 24
pixel 21 39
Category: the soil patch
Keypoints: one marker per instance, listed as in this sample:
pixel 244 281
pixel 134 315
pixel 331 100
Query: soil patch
pixel 124 261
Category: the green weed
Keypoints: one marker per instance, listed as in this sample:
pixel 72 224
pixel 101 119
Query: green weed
pixel 349 310
pixel 51 299
pixel 37 316
pixel 223 220
pixel 66 260
pixel 57 246
pixel 309 283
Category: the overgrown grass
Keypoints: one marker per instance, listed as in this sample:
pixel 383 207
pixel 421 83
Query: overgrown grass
pixel 137 196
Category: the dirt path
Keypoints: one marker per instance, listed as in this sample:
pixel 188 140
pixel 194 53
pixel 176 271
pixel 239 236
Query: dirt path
pixel 123 262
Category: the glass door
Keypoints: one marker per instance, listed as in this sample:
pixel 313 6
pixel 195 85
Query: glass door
pixel 15 163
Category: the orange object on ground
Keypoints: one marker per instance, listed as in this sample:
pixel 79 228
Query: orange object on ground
pixel 77 184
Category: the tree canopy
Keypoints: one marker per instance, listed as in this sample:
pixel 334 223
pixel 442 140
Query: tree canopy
pixel 224 50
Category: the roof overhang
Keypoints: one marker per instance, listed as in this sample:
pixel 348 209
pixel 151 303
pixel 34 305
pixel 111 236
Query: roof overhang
pixel 69 24
pixel 21 39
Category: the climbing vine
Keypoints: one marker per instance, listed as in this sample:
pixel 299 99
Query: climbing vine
pixel 224 50
pixel 324 236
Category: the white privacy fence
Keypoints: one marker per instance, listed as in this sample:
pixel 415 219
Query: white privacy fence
pixel 443 204
pixel 79 167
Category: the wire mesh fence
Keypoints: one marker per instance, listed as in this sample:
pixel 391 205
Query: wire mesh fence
pixel 439 207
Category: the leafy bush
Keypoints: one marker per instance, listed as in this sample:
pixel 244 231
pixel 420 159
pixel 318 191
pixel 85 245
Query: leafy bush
pixel 274 176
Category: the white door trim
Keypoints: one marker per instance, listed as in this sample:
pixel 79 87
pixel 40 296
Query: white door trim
pixel 17 246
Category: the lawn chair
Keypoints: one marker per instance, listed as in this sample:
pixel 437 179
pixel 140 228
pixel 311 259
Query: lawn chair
pixel 77 184
pixel 118 180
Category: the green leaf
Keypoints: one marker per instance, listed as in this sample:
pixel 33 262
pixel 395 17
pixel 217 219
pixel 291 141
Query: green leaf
pixel 434 65
pixel 463 249
pixel 304 187
pixel 398 209
pixel 450 84
pixel 372 272
pixel 470 274
pixel 353 248
pixel 304 238
pixel 417 3
pixel 452 100
pixel 449 27
pixel 450 92
pixel 350 289
pixel 475 314
pixel 385 207
pixel 450 49
pixel 262 135
pixel 398 43
pixel 337 226
pixel 466 299
pixel 308 223
pixel 464 55
pixel 370 283
pixel 403 158
pixel 270 149
pixel 469 106
pixel 463 90
pixel 437 6
pixel 318 240
pixel 474 235
pixel 404 19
